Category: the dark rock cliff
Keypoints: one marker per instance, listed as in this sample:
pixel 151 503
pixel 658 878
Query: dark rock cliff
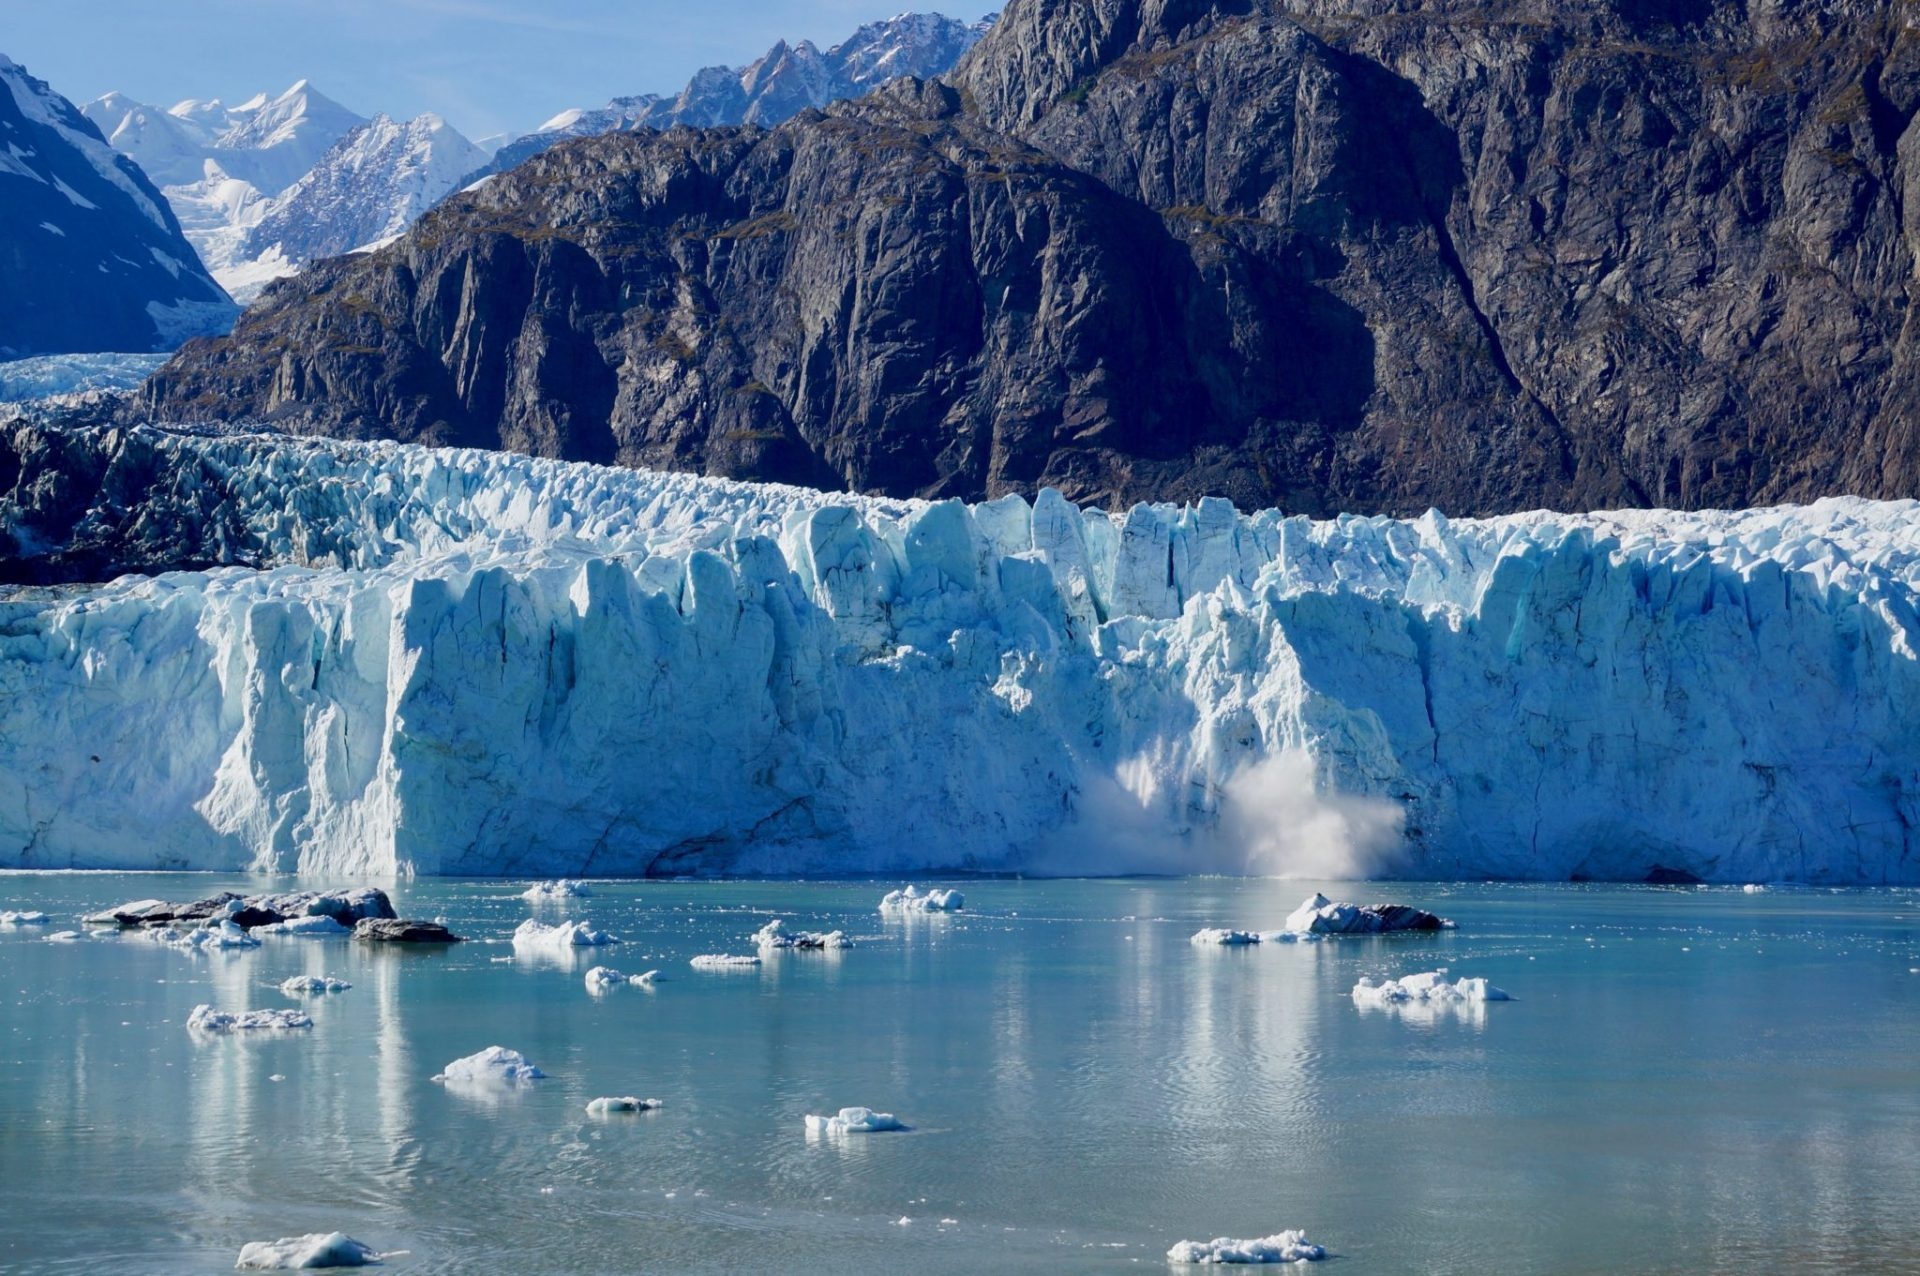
pixel 1326 254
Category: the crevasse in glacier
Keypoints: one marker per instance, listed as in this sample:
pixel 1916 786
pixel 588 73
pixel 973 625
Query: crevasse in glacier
pixel 467 662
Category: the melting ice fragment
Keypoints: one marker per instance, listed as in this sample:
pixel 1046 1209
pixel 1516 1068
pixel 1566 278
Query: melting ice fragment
pixel 318 1249
pixel 564 888
pixel 909 900
pixel 624 1103
pixel 206 1019
pixel 22 919
pixel 494 1066
pixel 308 985
pixel 853 1121
pixel 602 978
pixel 1431 986
pixel 723 961
pixel 561 939
pixel 1226 938
pixel 1281 1247
pixel 1319 915
pixel 775 935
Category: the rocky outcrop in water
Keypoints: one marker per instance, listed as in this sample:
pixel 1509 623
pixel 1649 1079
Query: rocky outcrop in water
pixel 1325 254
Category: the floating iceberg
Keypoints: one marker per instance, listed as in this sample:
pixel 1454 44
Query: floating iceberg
pixel 541 892
pixel 602 978
pixel 307 985
pixel 23 918
pixel 494 1066
pixel 723 961
pixel 1281 1247
pixel 220 935
pixel 64 937
pixel 381 930
pixel 853 1121
pixel 316 927
pixel 775 935
pixel 1429 987
pixel 1534 696
pixel 1753 888
pixel 1229 938
pixel 1321 916
pixel 601 1107
pixel 291 909
pixel 207 1019
pixel 320 1249
pixel 560 939
pixel 909 900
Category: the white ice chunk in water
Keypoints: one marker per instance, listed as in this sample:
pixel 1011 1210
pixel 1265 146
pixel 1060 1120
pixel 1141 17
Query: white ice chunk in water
pixel 1225 937
pixel 1281 1247
pixel 565 888
pixel 296 1253
pixel 64 937
pixel 909 900
pixel 315 926
pixel 561 939
pixel 1753 888
pixel 723 961
pixel 602 978
pixel 494 1066
pixel 623 1103
pixel 853 1121
pixel 775 935
pixel 1432 986
pixel 22 919
pixel 305 985
pixel 207 1019
pixel 221 935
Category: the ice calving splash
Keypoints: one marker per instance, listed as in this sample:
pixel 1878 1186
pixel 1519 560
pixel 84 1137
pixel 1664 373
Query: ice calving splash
pixel 310 985
pixel 816 648
pixel 774 936
pixel 853 1121
pixel 1281 1247
pixel 315 1250
pixel 602 978
pixel 621 1103
pixel 909 900
pixel 1430 987
pixel 549 892
pixel 494 1066
pixel 208 1020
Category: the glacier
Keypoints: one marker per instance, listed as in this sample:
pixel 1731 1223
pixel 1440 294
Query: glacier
pixel 458 662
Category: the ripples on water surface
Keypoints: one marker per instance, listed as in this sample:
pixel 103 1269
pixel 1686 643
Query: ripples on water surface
pixel 1691 1080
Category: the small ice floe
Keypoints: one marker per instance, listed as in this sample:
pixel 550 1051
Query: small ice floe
pixel 624 1103
pixel 1431 987
pixel 1321 916
pixel 494 1066
pixel 315 926
pixel 602 978
pixel 565 888
pixel 1753 888
pixel 854 1121
pixel 65 937
pixel 1228 938
pixel 309 985
pixel 23 919
pixel 775 935
pixel 909 900
pixel 560 939
pixel 220 935
pixel 299 1253
pixel 1281 1247
pixel 207 1019
pixel 723 961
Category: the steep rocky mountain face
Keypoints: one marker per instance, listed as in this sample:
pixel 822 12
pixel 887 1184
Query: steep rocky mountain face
pixel 1326 254
pixel 91 258
pixel 783 82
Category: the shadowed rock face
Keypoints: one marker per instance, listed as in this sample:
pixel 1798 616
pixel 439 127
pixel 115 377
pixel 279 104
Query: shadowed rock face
pixel 1330 255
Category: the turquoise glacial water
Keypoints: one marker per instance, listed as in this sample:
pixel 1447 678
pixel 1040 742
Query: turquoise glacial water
pixel 1690 1080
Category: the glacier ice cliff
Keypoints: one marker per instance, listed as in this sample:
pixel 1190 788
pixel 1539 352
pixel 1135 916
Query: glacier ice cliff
pixel 454 662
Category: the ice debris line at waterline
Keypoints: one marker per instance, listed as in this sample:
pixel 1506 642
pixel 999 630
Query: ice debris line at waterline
pixel 476 663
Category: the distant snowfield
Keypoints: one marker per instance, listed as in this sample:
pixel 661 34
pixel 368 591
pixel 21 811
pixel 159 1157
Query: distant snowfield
pixel 478 663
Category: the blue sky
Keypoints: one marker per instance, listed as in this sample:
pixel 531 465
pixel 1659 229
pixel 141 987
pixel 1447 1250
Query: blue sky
pixel 486 65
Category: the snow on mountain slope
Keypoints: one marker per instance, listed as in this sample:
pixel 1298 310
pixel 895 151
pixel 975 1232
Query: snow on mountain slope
pixel 471 662
pixel 91 257
pixel 220 167
pixel 370 186
pixel 779 84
